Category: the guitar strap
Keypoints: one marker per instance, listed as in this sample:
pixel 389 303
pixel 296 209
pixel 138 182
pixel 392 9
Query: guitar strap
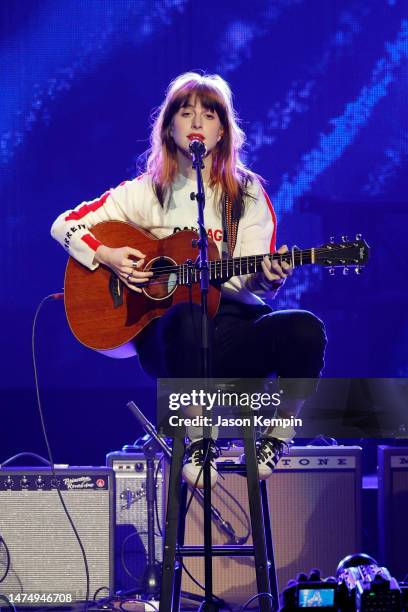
pixel 230 225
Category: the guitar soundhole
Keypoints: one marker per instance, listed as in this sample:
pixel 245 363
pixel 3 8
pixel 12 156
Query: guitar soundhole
pixel 164 280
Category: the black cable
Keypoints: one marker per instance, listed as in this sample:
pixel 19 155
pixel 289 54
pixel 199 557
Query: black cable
pixel 246 604
pixel 8 602
pixel 10 459
pixel 117 595
pixel 122 552
pixel 57 488
pixel 244 538
pixel 202 587
pixel 2 540
pixel 103 588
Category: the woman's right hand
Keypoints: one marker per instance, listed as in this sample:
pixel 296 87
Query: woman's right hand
pixel 126 263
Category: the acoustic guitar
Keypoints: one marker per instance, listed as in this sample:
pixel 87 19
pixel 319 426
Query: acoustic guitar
pixel 106 316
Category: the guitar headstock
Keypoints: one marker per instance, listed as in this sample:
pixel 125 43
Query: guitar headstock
pixel 345 254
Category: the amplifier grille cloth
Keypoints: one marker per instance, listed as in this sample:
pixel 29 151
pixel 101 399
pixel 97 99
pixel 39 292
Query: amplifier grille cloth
pixel 44 551
pixel 313 523
pixel 398 523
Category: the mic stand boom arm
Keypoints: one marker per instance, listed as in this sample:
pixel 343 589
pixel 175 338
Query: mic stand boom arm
pixel 224 525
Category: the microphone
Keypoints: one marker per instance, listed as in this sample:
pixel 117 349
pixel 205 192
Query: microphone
pixel 197 147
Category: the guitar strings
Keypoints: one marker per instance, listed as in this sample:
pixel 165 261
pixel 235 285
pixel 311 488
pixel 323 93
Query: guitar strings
pixel 233 262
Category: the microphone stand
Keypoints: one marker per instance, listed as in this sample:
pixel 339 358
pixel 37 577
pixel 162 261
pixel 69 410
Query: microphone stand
pixel 198 150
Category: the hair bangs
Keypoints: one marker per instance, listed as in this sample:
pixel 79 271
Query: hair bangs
pixel 209 97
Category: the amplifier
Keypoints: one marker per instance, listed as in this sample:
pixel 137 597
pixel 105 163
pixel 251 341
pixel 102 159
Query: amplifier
pixel 393 509
pixel 46 563
pixel 131 516
pixel 315 510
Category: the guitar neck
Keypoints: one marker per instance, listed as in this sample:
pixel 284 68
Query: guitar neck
pixel 345 255
pixel 236 266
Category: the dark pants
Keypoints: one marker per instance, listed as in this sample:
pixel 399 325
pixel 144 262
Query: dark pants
pixel 245 342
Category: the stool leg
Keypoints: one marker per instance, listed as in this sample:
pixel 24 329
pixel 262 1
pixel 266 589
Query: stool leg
pixel 257 523
pixel 269 546
pixel 180 542
pixel 171 527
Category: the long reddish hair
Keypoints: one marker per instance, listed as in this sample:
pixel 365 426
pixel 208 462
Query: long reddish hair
pixel 228 172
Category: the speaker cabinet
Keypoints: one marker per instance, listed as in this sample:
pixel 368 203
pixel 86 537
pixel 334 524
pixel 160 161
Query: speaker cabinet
pixel 393 508
pixel 315 510
pixel 45 557
pixel 131 516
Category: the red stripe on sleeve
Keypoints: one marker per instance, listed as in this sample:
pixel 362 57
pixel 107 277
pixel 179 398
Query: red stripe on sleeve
pixel 272 246
pixel 91 241
pixel 75 215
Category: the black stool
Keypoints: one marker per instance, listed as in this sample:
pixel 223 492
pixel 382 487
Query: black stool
pixel 261 550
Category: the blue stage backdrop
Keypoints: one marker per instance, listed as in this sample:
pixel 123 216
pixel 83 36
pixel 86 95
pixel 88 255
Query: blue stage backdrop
pixel 322 90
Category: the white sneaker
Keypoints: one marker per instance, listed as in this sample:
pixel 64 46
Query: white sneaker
pixel 268 453
pixel 193 466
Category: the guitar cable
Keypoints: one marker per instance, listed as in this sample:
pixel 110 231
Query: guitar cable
pixel 11 606
pixel 8 559
pixel 55 296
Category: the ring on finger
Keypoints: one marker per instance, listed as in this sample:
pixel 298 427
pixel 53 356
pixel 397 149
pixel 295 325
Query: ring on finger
pixel 129 276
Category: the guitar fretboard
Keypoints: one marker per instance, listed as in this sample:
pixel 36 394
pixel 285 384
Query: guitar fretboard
pixel 236 266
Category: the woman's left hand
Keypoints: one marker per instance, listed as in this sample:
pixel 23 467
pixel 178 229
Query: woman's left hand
pixel 274 273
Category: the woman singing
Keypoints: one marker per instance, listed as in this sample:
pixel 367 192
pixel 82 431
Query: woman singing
pixel 247 339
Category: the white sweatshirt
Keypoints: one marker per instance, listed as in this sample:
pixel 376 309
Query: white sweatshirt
pixel 135 202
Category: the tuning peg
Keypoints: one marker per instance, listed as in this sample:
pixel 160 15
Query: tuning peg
pixel 332 271
pixel 345 271
pixel 358 236
pixel 344 238
pixel 358 270
pixel 331 239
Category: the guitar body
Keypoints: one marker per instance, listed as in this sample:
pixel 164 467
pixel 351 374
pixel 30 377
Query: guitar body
pixel 104 314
